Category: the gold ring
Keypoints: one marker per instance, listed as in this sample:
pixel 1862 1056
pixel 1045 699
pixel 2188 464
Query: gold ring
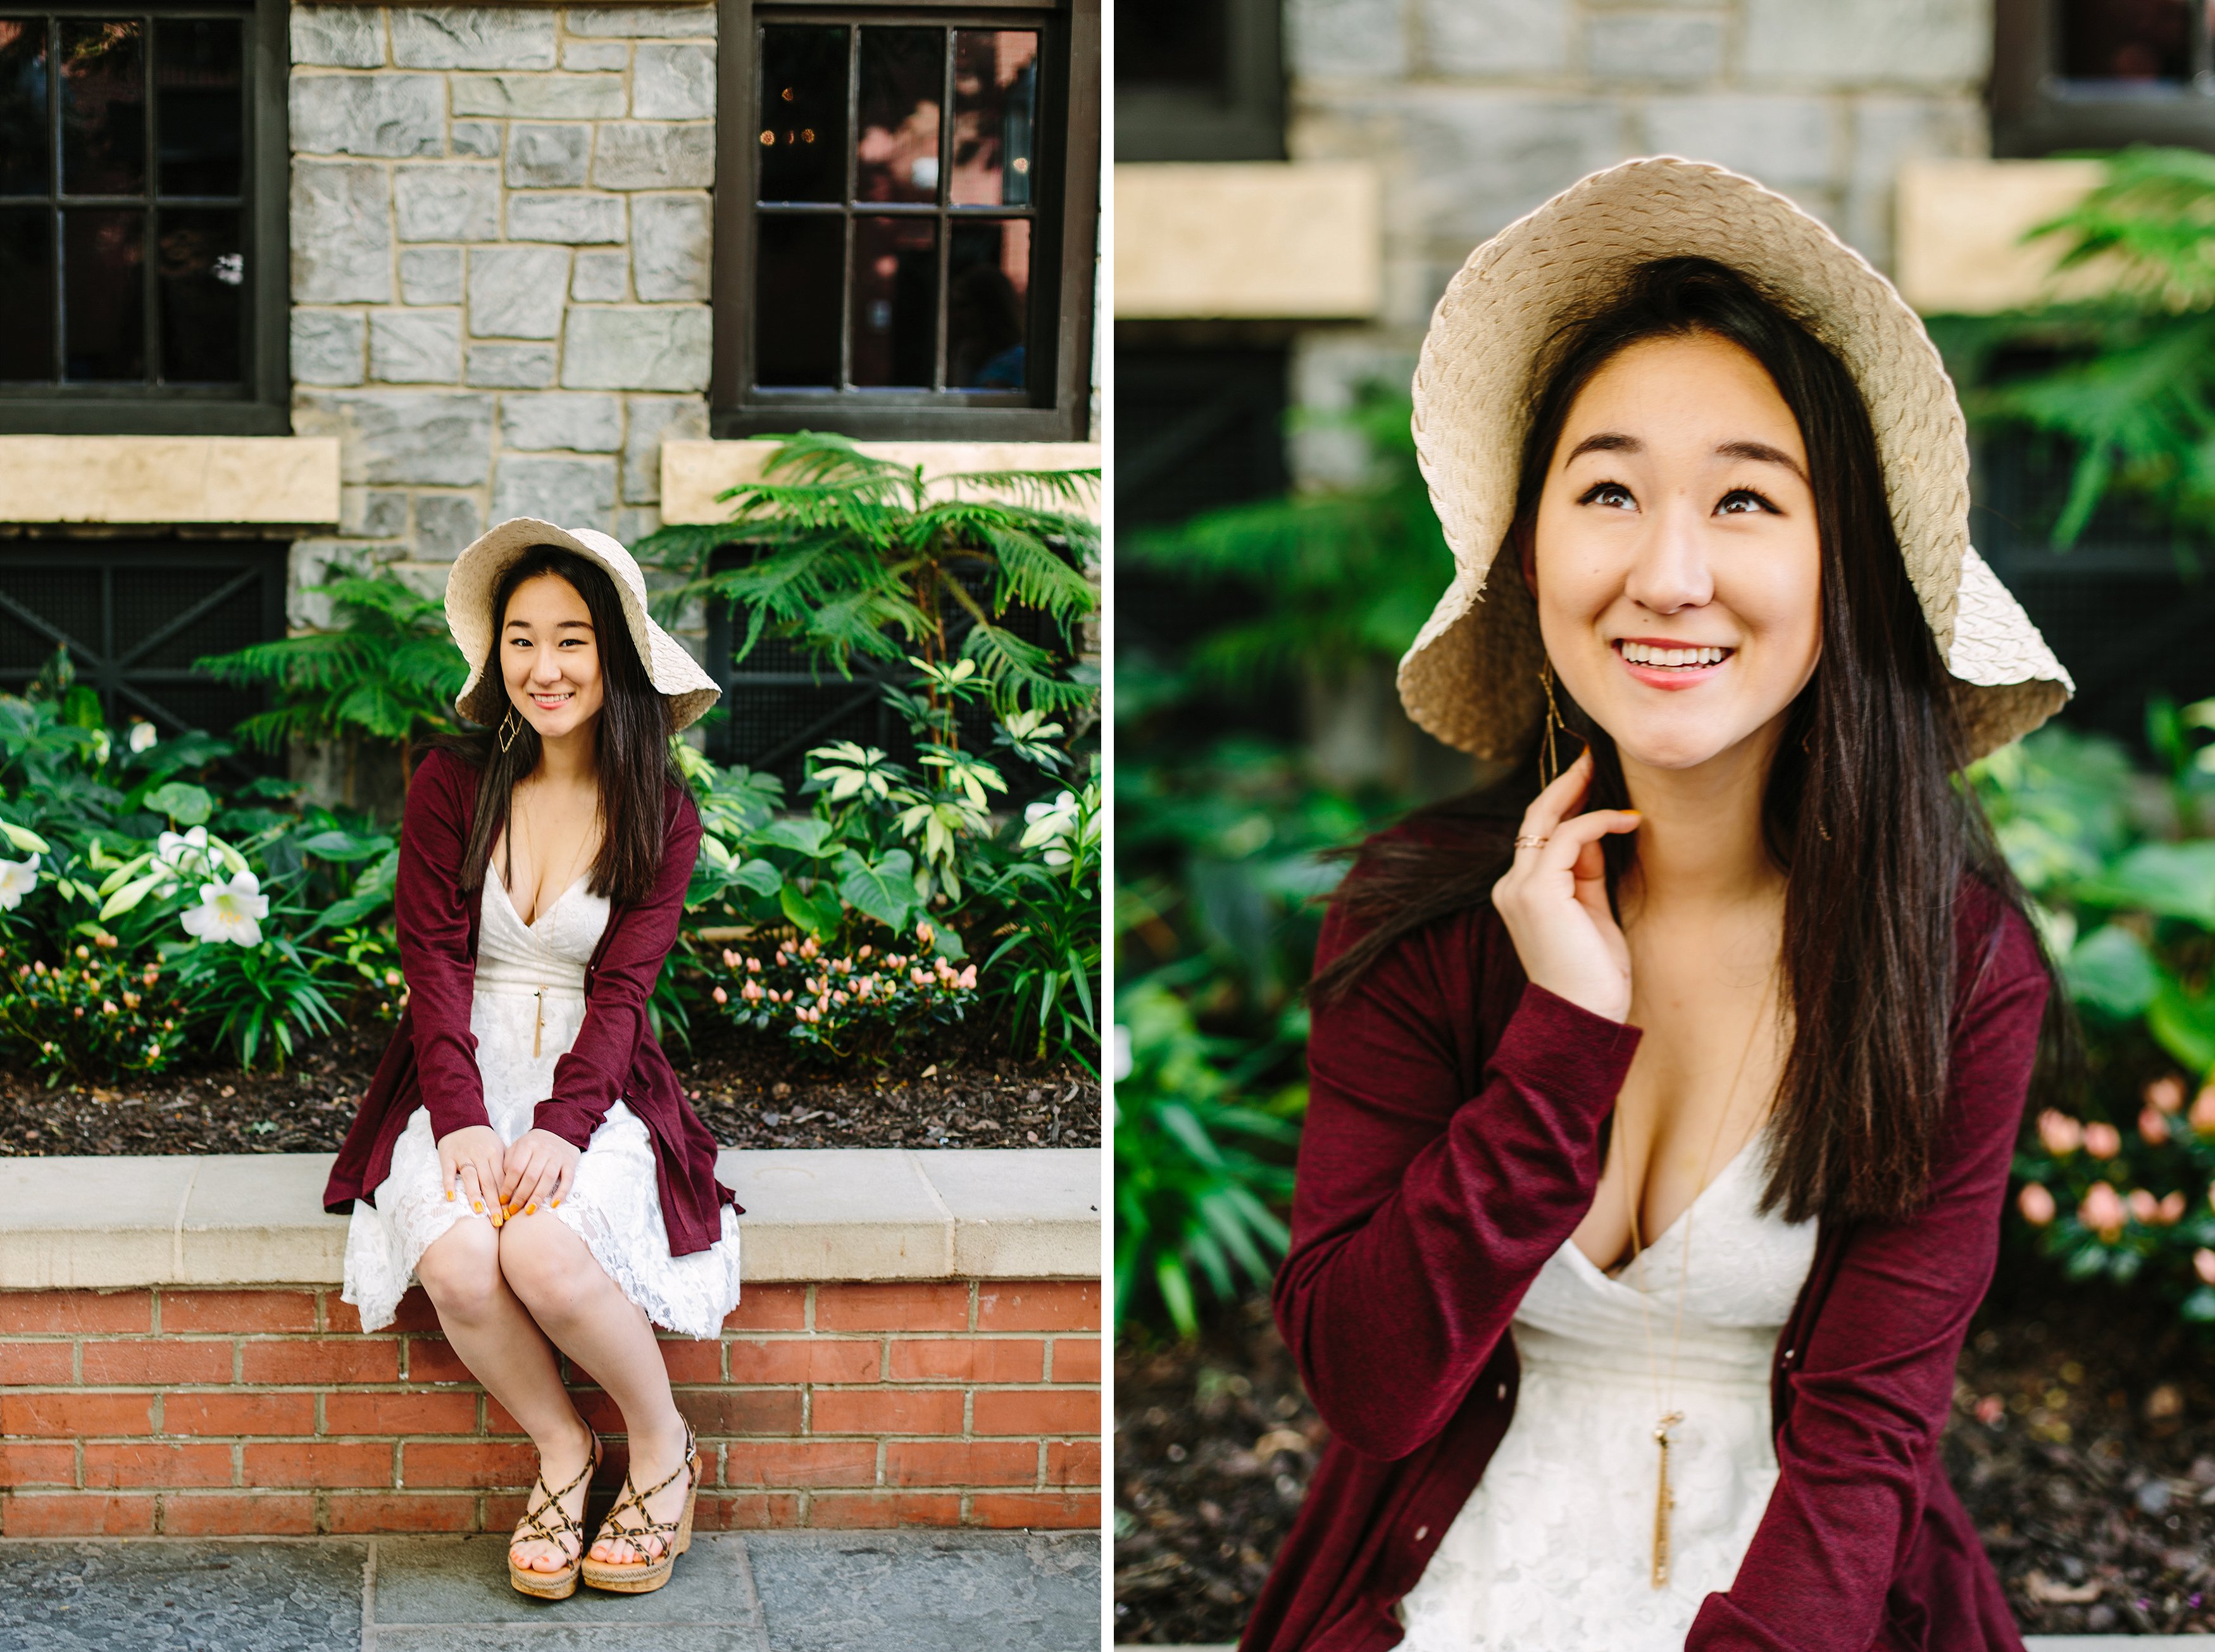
pixel 1530 843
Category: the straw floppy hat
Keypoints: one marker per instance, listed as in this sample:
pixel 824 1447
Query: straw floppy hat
pixel 1472 676
pixel 477 571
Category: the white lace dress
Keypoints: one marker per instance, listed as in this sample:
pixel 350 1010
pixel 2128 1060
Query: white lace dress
pixel 615 1207
pixel 1552 1551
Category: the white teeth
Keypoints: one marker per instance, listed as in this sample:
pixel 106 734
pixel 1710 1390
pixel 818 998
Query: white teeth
pixel 1640 654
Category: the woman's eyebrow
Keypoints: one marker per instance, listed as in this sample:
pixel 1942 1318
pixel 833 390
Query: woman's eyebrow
pixel 1761 453
pixel 1605 441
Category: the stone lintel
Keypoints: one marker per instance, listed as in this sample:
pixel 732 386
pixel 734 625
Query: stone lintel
pixel 1961 224
pixel 1298 240
pixel 292 480
pixel 694 472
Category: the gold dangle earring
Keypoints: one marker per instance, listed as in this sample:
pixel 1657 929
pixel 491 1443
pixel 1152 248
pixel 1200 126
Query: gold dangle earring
pixel 1550 756
pixel 510 726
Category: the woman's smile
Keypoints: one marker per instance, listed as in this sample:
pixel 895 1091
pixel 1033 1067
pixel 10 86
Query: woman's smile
pixel 1662 663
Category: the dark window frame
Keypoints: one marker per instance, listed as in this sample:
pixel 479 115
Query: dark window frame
pixel 2035 112
pixel 1246 123
pixel 262 406
pixel 1063 244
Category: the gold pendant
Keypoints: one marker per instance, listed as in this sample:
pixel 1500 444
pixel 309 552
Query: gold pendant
pixel 1663 1502
pixel 540 995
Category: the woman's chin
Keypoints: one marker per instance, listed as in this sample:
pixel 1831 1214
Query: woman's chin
pixel 1678 750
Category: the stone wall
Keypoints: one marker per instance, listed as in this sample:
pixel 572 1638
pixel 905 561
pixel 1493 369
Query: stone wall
pixel 500 235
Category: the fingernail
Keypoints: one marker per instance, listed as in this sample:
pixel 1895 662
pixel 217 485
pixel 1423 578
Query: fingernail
pixel 449 1194
pixel 531 1209
pixel 555 1205
pixel 477 1205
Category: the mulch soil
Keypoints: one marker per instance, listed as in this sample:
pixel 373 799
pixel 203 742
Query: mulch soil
pixel 2082 1443
pixel 952 1091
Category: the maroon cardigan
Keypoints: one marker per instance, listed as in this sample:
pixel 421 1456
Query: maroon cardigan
pixel 1453 1142
pixel 431 1060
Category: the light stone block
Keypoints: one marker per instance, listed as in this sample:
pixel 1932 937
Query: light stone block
pixel 341 233
pixel 1900 43
pixel 55 1236
pixel 1472 163
pixel 515 292
pixel 1035 1209
pixel 1961 227
pixel 673 82
pixel 314 562
pixel 455 201
pixel 444 525
pixel 415 347
pixel 373 513
pixel 601 278
pixel 821 1213
pixel 547 156
pixel 1328 38
pixel 511 366
pixel 1889 132
pixel 663 348
pixel 404 436
pixel 327 345
pixel 540 97
pixel 431 275
pixel 693 473
pixel 259 1216
pixel 633 523
pixel 575 220
pixel 338 37
pixel 666 21
pixel 389 116
pixel 634 155
pixel 653 420
pixel 1788 143
pixel 595 54
pixel 575 492
pixel 579 424
pixel 472 37
pixel 1495 37
pixel 671 236
pixel 1248 239
pixel 1653 48
pixel 475 138
pixel 224 479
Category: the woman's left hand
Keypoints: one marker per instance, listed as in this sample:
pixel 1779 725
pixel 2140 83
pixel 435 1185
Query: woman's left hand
pixel 539 1168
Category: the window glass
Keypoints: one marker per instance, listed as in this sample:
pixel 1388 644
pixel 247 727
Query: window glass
pixel 103 106
pixel 995 91
pixel 200 103
pixel 103 252
pixel 803 114
pixel 24 151
pixel 202 285
pixel 26 274
pixel 895 302
pixel 902 73
pixel 988 281
pixel 1179 44
pixel 797 294
pixel 2126 40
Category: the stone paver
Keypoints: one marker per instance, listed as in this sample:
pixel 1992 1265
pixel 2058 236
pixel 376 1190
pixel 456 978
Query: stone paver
pixel 752 1592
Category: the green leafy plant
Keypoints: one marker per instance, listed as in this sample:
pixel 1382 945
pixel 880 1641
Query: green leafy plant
pixel 839 1006
pixel 1044 978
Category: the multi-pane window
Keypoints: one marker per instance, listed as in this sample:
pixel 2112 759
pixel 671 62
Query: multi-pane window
pixel 1199 80
pixel 129 241
pixel 896 218
pixel 2076 74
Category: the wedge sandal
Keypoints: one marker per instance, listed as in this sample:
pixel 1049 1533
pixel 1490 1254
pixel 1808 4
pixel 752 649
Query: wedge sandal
pixel 550 1523
pixel 644 1576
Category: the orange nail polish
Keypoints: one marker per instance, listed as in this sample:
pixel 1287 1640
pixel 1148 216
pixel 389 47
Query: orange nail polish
pixel 531 1209
pixel 477 1205
pixel 450 1195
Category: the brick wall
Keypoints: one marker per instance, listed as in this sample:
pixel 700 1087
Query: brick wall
pixel 267 1411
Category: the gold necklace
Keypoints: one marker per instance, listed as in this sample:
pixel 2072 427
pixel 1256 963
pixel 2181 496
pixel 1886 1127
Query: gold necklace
pixel 515 825
pixel 1667 1417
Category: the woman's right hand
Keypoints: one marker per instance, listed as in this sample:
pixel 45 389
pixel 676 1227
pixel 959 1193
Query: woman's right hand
pixel 469 1166
pixel 1554 897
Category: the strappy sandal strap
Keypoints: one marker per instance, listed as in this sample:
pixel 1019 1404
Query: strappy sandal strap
pixel 632 1497
pixel 532 1527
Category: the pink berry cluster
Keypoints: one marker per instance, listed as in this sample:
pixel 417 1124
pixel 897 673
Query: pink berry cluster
pixel 841 1004
pixel 2103 1173
pixel 92 1012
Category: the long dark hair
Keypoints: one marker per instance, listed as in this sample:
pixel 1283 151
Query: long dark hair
pixel 1860 808
pixel 630 750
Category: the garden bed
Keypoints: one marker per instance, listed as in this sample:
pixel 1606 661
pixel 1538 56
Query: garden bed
pixel 952 1090
pixel 2082 1443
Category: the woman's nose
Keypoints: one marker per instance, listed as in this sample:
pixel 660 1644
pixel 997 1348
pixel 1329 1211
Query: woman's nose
pixel 1671 571
pixel 546 667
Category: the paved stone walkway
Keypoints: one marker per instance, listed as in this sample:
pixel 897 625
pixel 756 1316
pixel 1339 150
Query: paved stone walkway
pixel 753 1592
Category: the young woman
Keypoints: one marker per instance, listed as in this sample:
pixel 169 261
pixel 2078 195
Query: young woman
pixel 525 1150
pixel 1662 1106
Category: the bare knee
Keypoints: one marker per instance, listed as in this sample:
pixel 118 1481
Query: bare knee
pixel 461 1270
pixel 540 1259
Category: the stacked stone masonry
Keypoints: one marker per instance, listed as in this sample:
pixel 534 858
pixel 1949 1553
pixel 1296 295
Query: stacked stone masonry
pixel 267 1411
pixel 500 235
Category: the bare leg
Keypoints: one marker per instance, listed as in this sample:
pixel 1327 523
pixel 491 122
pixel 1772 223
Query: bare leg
pixel 502 1345
pixel 562 1284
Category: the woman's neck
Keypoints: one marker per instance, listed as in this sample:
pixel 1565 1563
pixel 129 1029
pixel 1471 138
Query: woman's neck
pixel 569 760
pixel 1699 841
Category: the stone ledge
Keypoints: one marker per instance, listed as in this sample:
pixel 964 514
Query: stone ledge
pixel 694 472
pixel 1248 240
pixel 812 1213
pixel 290 480
pixel 1960 229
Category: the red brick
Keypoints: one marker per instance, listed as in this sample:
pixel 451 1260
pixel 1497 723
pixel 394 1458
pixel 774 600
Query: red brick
pixel 800 1463
pixel 233 1413
pixel 318 1463
pixel 241 1311
pixel 75 1313
pixel 1072 1463
pixel 739 1410
pixel 141 1463
pixel 964 1358
pixel 402 1511
pixel 75 1414
pixel 326 1359
pixel 77 1513
pixel 1034 1509
pixel 847 1509
pixel 23 1363
pixel 909 1306
pixel 887 1411
pixel 770 1307
pixel 229 1515
pixel 1039 1305
pixel 38 1465
pixel 804 1359
pixel 1077 1358
pixel 688 1361
pixel 436 1413
pixel 476 1463
pixel 417 1313
pixel 432 1360
pixel 157 1359
pixel 340 1316
pixel 1037 1411
pixel 745 1511
pixel 961 1463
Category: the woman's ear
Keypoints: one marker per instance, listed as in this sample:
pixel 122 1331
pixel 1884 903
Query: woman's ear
pixel 1524 541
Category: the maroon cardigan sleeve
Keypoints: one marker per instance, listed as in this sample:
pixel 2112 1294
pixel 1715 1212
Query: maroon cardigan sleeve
pixel 1421 1212
pixel 1870 1392
pixel 590 1078
pixel 432 916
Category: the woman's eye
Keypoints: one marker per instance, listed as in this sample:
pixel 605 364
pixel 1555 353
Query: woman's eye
pixel 1611 493
pixel 1742 502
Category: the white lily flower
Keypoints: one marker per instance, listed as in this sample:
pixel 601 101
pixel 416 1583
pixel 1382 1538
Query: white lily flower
pixel 230 911
pixel 1120 1054
pixel 17 879
pixel 186 851
pixel 1051 824
pixel 143 736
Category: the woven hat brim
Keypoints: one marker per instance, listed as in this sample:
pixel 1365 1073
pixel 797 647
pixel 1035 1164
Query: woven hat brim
pixel 469 584
pixel 1471 677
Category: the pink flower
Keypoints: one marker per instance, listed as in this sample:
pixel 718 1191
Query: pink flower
pixel 968 979
pixel 2172 1209
pixel 787 998
pixel 2203 1263
pixel 863 953
pixel 2165 1095
pixel 2144 1206
pixel 2102 1211
pixel 750 992
pixel 2059 1134
pixel 2102 1140
pixel 753 965
pixel 720 996
pixel 2203 1111
pixel 730 959
pixel 2035 1203
pixel 2153 1125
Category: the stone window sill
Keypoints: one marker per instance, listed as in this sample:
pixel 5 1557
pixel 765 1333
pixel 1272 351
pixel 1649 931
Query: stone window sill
pixel 694 472
pixel 237 480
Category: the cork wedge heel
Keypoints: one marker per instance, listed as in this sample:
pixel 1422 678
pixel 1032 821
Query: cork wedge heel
pixel 550 1523
pixel 644 1576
